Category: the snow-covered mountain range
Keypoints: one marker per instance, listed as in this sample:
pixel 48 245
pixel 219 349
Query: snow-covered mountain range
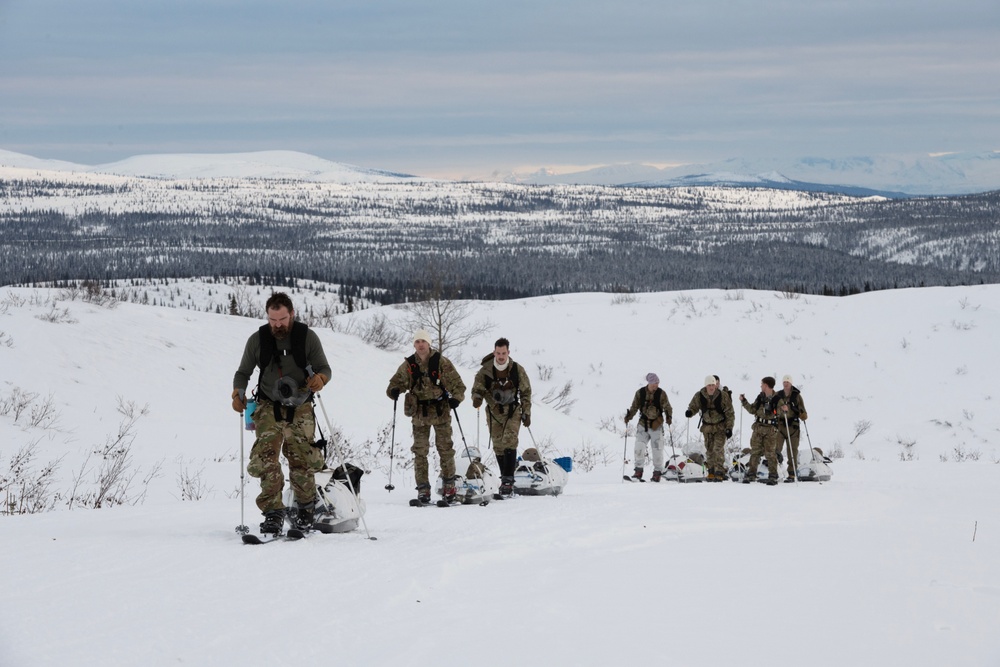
pixel 950 173
pixel 939 174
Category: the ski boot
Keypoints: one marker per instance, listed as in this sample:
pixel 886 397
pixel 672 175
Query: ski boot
pixel 748 477
pixel 448 491
pixel 305 516
pixel 656 476
pixel 507 486
pixel 424 493
pixel 274 521
pixel 637 475
pixel 772 480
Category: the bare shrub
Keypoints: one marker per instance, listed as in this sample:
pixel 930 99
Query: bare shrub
pixel 57 316
pixel 545 372
pixel 861 427
pixel 191 484
pixel 24 489
pixel 6 340
pixel 908 444
pixel 560 399
pixel 623 298
pixel 377 331
pixel 89 291
pixel 114 478
pixel 588 456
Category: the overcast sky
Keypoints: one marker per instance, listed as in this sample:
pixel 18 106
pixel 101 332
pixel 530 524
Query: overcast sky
pixel 465 88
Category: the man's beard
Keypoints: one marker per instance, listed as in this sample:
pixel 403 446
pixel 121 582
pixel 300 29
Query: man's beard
pixel 279 333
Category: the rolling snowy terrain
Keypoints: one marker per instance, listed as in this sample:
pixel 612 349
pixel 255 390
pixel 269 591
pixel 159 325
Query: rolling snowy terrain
pixel 891 562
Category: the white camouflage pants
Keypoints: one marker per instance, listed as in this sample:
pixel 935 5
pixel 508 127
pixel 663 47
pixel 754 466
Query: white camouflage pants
pixel 655 440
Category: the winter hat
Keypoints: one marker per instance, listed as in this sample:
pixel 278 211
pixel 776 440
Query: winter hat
pixel 788 379
pixel 652 378
pixel 422 335
pixel 710 380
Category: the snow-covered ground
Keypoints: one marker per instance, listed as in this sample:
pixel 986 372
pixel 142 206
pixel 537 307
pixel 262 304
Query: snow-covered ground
pixel 891 562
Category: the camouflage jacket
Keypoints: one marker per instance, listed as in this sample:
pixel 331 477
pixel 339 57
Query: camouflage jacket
pixel 718 409
pixel 426 394
pixel 503 396
pixel 652 413
pixel 796 408
pixel 762 409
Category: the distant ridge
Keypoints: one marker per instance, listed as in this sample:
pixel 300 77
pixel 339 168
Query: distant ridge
pixel 290 165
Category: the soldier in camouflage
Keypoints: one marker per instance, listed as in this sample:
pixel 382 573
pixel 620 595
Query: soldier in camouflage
pixel 284 419
pixel 505 387
pixel 765 439
pixel 653 407
pixel 717 419
pixel 433 389
pixel 791 408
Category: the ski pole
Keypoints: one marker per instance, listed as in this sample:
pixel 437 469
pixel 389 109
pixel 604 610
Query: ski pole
pixel 392 445
pixel 242 529
pixel 812 452
pixel 791 462
pixel 625 452
pixel 462 433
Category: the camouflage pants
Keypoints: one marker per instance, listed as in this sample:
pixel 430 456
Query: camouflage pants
pixel 504 430
pixel 293 439
pixel 715 447
pixel 792 435
pixel 764 441
pixel 422 447
pixel 654 438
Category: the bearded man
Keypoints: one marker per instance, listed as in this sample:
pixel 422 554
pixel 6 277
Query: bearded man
pixel 292 366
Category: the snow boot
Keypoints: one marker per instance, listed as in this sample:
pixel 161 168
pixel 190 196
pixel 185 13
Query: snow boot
pixel 424 493
pixel 274 521
pixel 656 476
pixel 747 477
pixel 448 490
pixel 305 516
pixel 772 481
pixel 637 474
pixel 507 486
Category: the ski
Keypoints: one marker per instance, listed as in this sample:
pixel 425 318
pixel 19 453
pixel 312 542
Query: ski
pixel 296 534
pixel 256 539
pixel 416 502
pixel 632 479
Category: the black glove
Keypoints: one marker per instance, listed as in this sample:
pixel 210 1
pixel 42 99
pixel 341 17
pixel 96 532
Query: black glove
pixel 669 421
pixel 729 432
pixel 453 402
pixel 526 420
pixel 688 414
pixel 394 393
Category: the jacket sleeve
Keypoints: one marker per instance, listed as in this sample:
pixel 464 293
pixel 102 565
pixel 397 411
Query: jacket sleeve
pixel 524 388
pixel 400 380
pixel 316 356
pixel 452 380
pixel 634 408
pixel 727 409
pixel 695 405
pixel 241 380
pixel 668 411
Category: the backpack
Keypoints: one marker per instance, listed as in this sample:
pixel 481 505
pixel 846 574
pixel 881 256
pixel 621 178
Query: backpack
pixel 268 345
pixel 433 370
pixel 642 394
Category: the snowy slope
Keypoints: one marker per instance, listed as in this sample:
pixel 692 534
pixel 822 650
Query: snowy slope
pixel 879 566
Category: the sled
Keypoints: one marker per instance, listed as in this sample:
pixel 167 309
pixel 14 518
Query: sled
pixel 479 483
pixel 337 509
pixel 818 469
pixel 683 468
pixel 539 476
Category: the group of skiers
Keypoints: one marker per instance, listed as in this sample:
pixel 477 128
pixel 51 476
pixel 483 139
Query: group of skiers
pixel 293 367
pixel 777 415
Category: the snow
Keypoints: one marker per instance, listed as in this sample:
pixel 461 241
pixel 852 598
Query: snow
pixel 891 562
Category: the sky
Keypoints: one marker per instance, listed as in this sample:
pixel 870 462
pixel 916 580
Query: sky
pixel 469 88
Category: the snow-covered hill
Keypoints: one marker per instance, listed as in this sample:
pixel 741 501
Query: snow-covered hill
pixel 890 562
pixel 289 165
